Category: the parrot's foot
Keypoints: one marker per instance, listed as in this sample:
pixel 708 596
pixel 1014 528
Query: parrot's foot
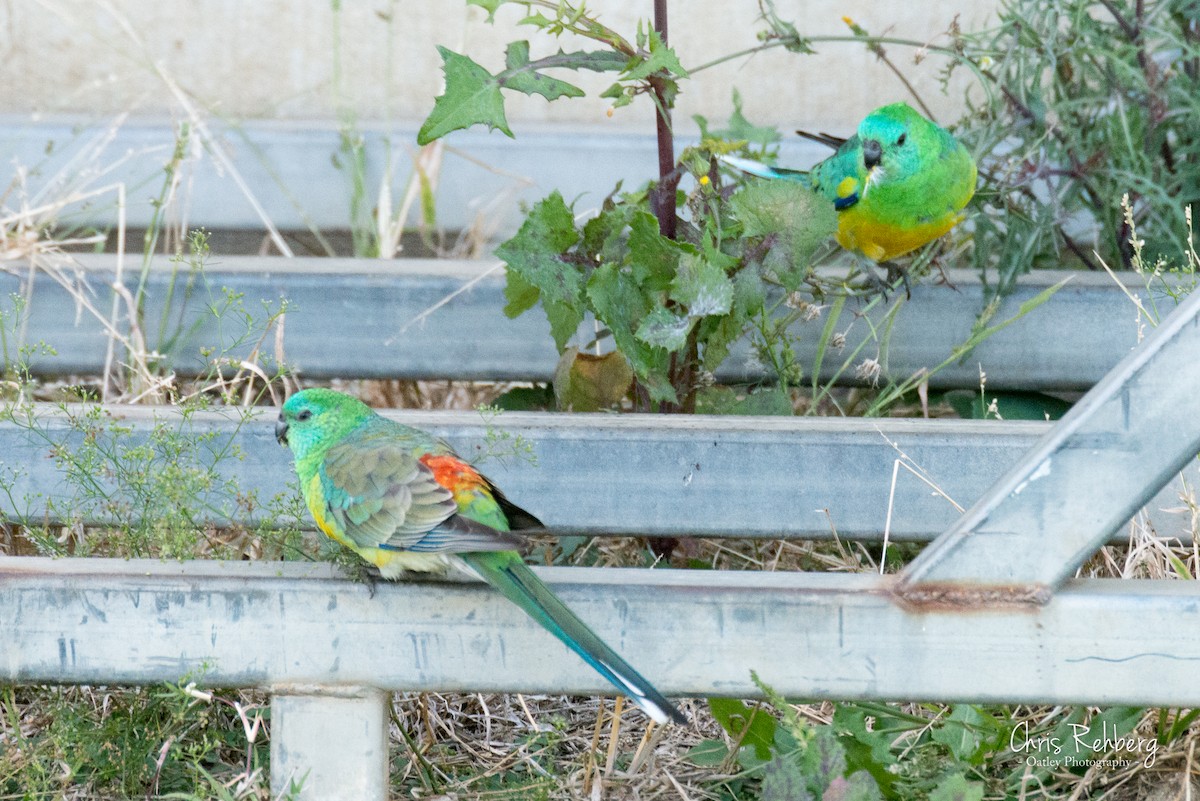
pixel 896 272
pixel 366 574
pixel 873 282
pixel 943 279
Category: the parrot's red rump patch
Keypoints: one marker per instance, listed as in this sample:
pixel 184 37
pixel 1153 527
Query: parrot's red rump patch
pixel 453 473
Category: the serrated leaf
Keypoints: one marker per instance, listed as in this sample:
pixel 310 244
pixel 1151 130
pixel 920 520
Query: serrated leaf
pixel 783 780
pixel 664 329
pixel 653 258
pixel 490 6
pixel 620 304
pixel 661 58
pixel 800 220
pixel 536 255
pixel 537 251
pixel 521 76
pixel 865 749
pixel 702 287
pixel 594 60
pixel 585 382
pixel 740 128
pixel 604 237
pixel 564 319
pixel 472 97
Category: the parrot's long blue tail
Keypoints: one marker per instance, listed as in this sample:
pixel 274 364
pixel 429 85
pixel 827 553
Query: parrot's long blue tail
pixel 752 167
pixel 513 578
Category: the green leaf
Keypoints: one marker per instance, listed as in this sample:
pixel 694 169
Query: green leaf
pixel 521 76
pixel 564 319
pixel 824 757
pixel 472 97
pixel 490 6
pixel 661 58
pixel 537 398
pixel 604 237
pixel 536 254
pixel 520 294
pixel 739 127
pixel 865 749
pixel 594 60
pixel 961 732
pixel 665 329
pixel 717 334
pixel 702 287
pixel 653 258
pixel 621 305
pixel 708 753
pixel 726 400
pixel 751 727
pixel 783 780
pixel 800 219
pixel 955 787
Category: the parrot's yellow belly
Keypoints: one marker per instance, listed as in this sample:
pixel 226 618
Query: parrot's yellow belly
pixel 860 230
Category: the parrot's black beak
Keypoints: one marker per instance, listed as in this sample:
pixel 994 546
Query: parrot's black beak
pixel 281 428
pixel 872 153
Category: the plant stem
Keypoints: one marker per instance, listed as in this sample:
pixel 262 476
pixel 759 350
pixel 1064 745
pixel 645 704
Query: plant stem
pixel 663 197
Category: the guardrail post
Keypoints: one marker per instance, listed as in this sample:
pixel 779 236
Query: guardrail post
pixel 330 743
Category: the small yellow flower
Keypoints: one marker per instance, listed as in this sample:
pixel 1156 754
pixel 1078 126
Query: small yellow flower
pixel 848 21
pixel 704 180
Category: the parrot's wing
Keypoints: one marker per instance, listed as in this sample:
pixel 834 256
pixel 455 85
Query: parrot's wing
pixel 843 176
pixel 381 495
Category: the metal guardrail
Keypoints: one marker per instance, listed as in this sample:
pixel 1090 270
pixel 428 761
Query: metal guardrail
pixel 438 319
pixel 326 650
pixel 293 168
pixel 627 475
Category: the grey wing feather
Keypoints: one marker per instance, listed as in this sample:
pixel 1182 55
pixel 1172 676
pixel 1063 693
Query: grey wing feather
pixel 384 497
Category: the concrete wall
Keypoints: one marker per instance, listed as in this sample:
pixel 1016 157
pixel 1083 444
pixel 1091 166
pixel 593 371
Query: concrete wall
pixel 276 58
pixel 274 77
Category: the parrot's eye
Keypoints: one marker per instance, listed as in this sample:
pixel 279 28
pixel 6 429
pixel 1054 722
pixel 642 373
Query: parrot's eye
pixel 304 415
pixel 901 140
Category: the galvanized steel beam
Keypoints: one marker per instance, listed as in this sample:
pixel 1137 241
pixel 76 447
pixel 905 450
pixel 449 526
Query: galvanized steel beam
pixel 1106 458
pixel 297 179
pixel 438 319
pixel 692 633
pixel 595 474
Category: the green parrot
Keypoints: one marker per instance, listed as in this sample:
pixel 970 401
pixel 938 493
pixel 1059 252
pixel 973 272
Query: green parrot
pixel 405 502
pixel 899 182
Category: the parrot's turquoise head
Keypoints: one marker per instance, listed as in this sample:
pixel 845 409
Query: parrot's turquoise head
pixel 315 416
pixel 893 140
